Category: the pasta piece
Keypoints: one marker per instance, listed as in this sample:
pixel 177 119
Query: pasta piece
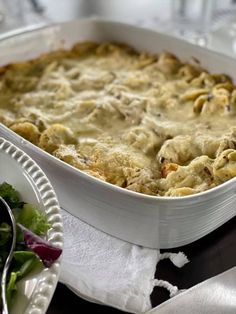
pixel 193 94
pixel 168 63
pixel 27 130
pixel 224 167
pixel 54 136
pixel 143 139
pixel 179 150
pixel 185 191
pixel 70 155
pixel 198 176
pixel 141 180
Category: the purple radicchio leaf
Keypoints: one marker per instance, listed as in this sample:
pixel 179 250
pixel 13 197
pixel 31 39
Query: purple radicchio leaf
pixel 44 249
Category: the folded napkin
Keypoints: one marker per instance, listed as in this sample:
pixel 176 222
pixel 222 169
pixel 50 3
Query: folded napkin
pixel 104 269
pixel 216 295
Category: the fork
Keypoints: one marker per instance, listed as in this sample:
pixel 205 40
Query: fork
pixel 9 218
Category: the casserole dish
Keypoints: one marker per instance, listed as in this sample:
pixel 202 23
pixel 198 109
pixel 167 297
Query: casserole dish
pixel 157 222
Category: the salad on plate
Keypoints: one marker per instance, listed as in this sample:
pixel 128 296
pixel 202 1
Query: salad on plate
pixel 32 251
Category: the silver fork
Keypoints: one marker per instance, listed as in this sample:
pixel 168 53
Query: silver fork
pixel 11 220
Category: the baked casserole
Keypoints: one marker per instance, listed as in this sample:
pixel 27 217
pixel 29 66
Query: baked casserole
pixel 147 123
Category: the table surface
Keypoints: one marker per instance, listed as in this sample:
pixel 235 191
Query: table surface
pixel 208 256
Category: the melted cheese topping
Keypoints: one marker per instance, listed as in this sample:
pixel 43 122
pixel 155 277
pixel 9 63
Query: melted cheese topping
pixel 147 123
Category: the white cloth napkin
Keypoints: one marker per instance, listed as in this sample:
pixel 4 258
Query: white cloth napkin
pixel 216 295
pixel 103 269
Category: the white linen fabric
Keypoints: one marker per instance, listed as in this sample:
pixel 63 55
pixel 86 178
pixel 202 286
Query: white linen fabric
pixel 216 295
pixel 104 269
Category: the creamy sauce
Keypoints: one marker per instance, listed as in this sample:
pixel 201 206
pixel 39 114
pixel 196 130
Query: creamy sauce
pixel 146 123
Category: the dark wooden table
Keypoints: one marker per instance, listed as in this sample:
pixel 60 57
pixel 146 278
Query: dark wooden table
pixel 208 256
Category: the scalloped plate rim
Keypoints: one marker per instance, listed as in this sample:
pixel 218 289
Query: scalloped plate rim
pixel 48 278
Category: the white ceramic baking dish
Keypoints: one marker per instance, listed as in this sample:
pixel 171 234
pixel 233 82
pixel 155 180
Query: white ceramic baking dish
pixel 157 222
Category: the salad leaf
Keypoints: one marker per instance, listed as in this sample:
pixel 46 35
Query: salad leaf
pixel 31 251
pixel 33 219
pixel 24 262
pixel 44 249
pixel 10 195
pixel 11 286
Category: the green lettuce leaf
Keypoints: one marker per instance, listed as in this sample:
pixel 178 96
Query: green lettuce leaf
pixel 11 286
pixel 33 219
pixel 22 264
pixel 24 261
pixel 10 195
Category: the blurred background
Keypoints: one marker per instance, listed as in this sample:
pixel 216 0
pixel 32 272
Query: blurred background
pixel 209 23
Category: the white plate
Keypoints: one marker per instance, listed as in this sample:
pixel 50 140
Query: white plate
pixel 19 170
pixel 151 221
